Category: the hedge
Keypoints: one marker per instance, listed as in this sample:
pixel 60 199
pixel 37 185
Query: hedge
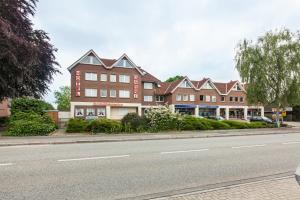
pixel 76 125
pixel 132 122
pixel 104 125
pixel 29 128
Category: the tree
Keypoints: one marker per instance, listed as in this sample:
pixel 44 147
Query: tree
pixel 63 98
pixel 29 105
pixel 271 68
pixel 27 61
pixel 174 78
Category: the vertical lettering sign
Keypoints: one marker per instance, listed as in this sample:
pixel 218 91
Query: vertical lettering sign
pixel 77 83
pixel 135 86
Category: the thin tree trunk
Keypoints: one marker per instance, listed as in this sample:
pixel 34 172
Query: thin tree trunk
pixel 277 117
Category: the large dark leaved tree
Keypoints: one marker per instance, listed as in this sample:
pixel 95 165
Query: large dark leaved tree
pixel 27 61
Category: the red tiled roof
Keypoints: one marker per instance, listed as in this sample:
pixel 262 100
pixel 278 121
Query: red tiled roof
pixel 147 77
pixel 108 62
pixel 230 85
pixel 221 87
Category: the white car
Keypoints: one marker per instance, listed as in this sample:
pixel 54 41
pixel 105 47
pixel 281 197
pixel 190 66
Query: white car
pixel 297 174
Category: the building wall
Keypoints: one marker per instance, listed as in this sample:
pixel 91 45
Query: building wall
pixel 4 108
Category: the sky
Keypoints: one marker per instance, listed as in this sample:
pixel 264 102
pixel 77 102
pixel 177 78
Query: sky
pixel 194 38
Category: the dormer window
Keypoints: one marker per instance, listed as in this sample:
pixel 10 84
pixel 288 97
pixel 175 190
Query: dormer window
pixel 91 59
pixel 124 63
pixel 185 84
pixel 207 86
pixel 237 87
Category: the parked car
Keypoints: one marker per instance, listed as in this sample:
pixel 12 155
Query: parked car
pixel 297 175
pixel 260 119
pixel 218 118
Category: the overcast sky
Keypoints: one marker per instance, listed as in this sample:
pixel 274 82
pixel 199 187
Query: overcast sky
pixel 196 38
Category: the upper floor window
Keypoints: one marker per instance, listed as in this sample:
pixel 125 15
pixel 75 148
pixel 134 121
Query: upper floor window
pixel 201 97
pixel 91 59
pixel 124 79
pixel 89 76
pixel 192 97
pixel 207 85
pixel 103 77
pixel 178 97
pixel 124 63
pixel 113 93
pixel 207 98
pixel 148 85
pixel 236 99
pixel 185 84
pixel 148 98
pixel 124 93
pixel 113 78
pixel 230 98
pixel 103 93
pixel 237 87
pixel 91 92
pixel 185 97
pixel 213 99
pixel 222 98
pixel 241 99
pixel 159 98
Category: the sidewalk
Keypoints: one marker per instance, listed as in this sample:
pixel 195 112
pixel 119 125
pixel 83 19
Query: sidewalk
pixel 279 189
pixel 61 138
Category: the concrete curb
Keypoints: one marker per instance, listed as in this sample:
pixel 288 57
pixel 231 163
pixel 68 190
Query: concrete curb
pixel 121 138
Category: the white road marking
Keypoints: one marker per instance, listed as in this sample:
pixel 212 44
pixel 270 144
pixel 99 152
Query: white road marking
pixel 6 164
pixel 28 146
pixel 92 158
pixel 249 146
pixel 187 151
pixel 286 143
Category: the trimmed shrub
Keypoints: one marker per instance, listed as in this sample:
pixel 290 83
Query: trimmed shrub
pixel 76 125
pixel 29 105
pixel 260 125
pixel 31 116
pixel 193 123
pixel 29 128
pixel 104 125
pixel 218 124
pixel 237 124
pixel 132 122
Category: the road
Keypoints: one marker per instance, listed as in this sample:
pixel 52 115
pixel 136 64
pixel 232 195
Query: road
pixel 119 170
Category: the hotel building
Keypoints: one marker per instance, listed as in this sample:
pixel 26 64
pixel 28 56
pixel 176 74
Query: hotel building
pixel 112 88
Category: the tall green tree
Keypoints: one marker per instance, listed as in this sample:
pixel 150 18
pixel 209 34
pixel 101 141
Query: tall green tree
pixel 174 78
pixel 271 68
pixel 27 61
pixel 63 98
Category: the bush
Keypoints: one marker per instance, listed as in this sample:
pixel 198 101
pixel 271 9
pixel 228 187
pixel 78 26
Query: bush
pixel 31 116
pixel 193 123
pixel 104 125
pixel 237 124
pixel 132 122
pixel 260 125
pixel 29 128
pixel 3 121
pixel 29 105
pixel 76 125
pixel 162 119
pixel 218 124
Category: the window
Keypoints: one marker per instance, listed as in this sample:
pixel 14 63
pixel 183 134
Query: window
pixel 101 112
pixel 192 97
pixel 207 98
pixel 185 84
pixel 185 97
pixel 90 112
pixel 124 63
pixel 113 93
pixel 113 78
pixel 207 85
pixel 241 99
pixel 159 98
pixel 124 94
pixel 124 79
pixel 103 77
pixel 148 86
pixel 103 93
pixel 90 60
pixel 148 98
pixel 90 76
pixel 236 99
pixel 201 97
pixel 213 99
pixel 79 112
pixel 237 87
pixel 222 98
pixel 91 92
pixel 178 97
pixel 230 98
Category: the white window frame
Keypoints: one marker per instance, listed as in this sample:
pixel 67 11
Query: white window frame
pixel 90 92
pixel 148 86
pixel 110 93
pixel 90 76
pixel 124 78
pixel 185 84
pixel 93 111
pixel 113 80
pixel 224 98
pixel 213 99
pixel 103 77
pixel 192 97
pixel 178 97
pixel 207 98
pixel 185 97
pixel 103 94
pixel 148 98
pixel 123 92
pixel 101 110
pixel 77 110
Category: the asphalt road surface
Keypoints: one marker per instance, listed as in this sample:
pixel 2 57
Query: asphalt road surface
pixel 139 169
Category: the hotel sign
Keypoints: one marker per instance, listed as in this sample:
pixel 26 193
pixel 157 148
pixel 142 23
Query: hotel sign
pixel 107 104
pixel 77 83
pixel 135 86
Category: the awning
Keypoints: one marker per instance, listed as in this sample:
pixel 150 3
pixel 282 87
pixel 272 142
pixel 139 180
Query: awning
pixel 207 106
pixel 185 106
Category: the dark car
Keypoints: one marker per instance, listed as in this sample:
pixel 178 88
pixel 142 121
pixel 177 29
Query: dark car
pixel 261 119
pixel 297 175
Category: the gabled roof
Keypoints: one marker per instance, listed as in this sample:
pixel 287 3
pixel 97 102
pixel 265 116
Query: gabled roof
pixel 180 81
pixel 129 60
pixel 147 77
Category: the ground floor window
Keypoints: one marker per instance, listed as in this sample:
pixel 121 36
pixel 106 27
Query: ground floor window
pixel 79 112
pixel 90 112
pixel 101 112
pixel 207 112
pixel 186 111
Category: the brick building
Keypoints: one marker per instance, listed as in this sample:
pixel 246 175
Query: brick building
pixel 114 87
pixel 5 108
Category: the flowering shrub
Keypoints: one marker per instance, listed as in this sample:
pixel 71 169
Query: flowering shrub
pixel 161 119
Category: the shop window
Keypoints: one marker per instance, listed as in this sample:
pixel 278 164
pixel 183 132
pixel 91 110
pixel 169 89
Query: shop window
pixel 101 112
pixel 79 112
pixel 90 112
